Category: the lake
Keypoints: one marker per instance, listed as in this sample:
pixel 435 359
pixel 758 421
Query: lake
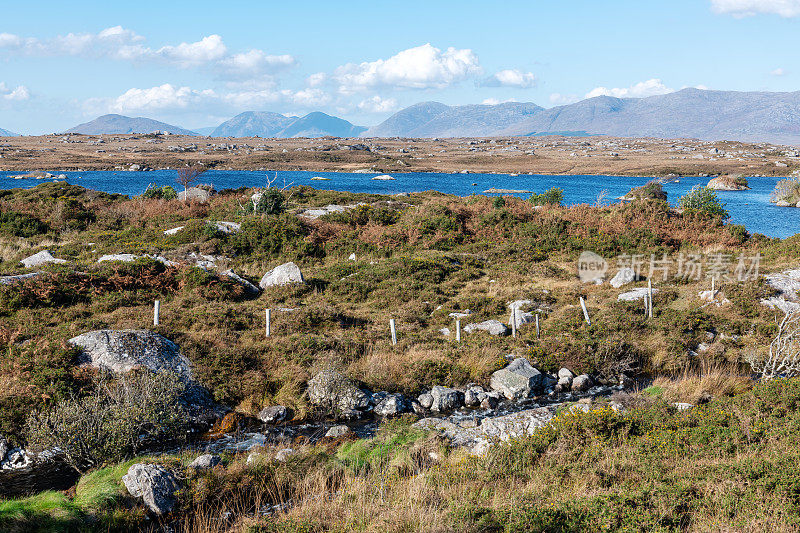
pixel 749 208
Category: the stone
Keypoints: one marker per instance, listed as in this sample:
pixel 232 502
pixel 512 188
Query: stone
pixel 10 280
pixel 471 398
pixel 445 332
pixel 4 447
pixel 124 258
pixel 682 406
pixel 446 399
pixel 489 402
pixel 782 203
pixel 338 431
pixel 249 287
pixel 617 407
pixel 521 318
pixel 581 383
pixel 205 462
pixel 564 384
pixel 16 459
pixel 623 277
pixel 228 228
pixel 518 380
pixel 391 405
pixel 284 455
pixel 334 391
pixel 196 194
pixel 565 373
pixel 124 350
pixel 493 327
pixel 274 414
pixel 425 400
pixel 285 274
pixel 173 231
pixel 636 294
pixel 41 258
pixel 154 485
pixel 352 257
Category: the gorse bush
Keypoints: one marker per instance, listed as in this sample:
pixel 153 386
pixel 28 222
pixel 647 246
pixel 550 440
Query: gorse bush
pixel 269 202
pixel 552 196
pixel 160 193
pixel 704 201
pixel 116 420
pixel 21 225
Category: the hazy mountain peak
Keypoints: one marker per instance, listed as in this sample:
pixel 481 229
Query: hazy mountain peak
pixel 119 124
pixel 6 133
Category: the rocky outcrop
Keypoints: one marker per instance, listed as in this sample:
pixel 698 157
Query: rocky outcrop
pixel 285 274
pixel 623 277
pixel 636 294
pixel 124 258
pixel 228 228
pixel 787 284
pixel 334 392
pixel 518 380
pixel 42 258
pixel 154 485
pixel 196 194
pixel 493 327
pixel 445 398
pixel 18 278
pixel 728 183
pixel 125 350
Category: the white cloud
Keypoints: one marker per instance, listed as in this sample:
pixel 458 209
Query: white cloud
pixel 17 93
pixel 563 99
pixel 376 104
pixel 495 101
pixel 163 97
pixel 317 79
pixel 510 78
pixel 422 67
pixel 778 72
pixel 206 50
pixel 748 8
pixel 307 97
pixel 640 90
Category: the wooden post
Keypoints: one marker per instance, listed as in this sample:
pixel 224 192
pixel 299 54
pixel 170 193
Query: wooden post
pixel 458 330
pixel 394 331
pixel 514 322
pixel 649 298
pixel 156 312
pixel 537 325
pixel 585 312
pixel 267 324
pixel 712 287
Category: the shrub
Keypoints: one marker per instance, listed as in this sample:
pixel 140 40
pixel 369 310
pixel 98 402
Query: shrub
pixel 786 190
pixel 552 196
pixel 270 236
pixel 21 225
pixel 270 202
pixel 119 418
pixel 160 193
pixel 704 201
pixel 499 202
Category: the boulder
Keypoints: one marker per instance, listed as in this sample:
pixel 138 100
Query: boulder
pixel 682 406
pixel 249 287
pixel 490 401
pixel 446 399
pixel 196 194
pixel 581 383
pixel 16 459
pixel 493 327
pixel 41 258
pixel 471 398
pixel 425 400
pixel 521 318
pixel 391 405
pixel 124 350
pixel 205 462
pixel 154 485
pixel 636 294
pixel 564 384
pixel 565 373
pixel 338 431
pixel 623 277
pixel 333 391
pixel 282 275
pixel 173 231
pixel 10 280
pixel 228 228
pixel 274 414
pixel 124 258
pixel 518 380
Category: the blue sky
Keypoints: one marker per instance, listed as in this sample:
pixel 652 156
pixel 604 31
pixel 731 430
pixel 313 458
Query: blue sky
pixel 198 63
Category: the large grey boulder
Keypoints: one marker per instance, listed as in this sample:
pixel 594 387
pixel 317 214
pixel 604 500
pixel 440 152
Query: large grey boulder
pixel 391 405
pixel 196 194
pixel 41 258
pixel 445 398
pixel 623 277
pixel 285 274
pixel 518 380
pixel 636 294
pixel 581 383
pixel 333 391
pixel 154 485
pixel 274 414
pixel 493 327
pixel 124 350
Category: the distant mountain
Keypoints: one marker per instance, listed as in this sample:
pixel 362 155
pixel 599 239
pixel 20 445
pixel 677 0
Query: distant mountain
pixel 318 124
pixel 695 113
pixel 120 124
pixel 204 131
pixel 6 133
pixel 253 123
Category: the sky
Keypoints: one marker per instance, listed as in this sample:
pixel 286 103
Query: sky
pixel 196 64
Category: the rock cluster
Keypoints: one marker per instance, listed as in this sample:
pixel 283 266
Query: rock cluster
pixel 155 485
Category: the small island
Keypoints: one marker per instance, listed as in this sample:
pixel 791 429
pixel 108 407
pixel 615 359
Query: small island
pixel 728 183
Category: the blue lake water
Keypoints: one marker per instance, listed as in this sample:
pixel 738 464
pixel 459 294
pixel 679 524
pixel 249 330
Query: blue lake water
pixel 749 208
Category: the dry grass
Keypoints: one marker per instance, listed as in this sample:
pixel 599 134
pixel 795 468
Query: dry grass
pixel 710 380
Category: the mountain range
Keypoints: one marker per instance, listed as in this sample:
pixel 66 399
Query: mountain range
pixel 695 113
pixel 6 133
pixel 692 113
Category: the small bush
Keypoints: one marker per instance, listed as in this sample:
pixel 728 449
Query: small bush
pixel 704 201
pixel 499 202
pixel 270 202
pixel 552 196
pixel 160 193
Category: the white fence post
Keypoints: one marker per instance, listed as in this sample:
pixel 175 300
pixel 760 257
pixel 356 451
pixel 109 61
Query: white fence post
pixel 267 325
pixel 537 325
pixel 585 312
pixel 394 331
pixel 458 330
pixel 156 312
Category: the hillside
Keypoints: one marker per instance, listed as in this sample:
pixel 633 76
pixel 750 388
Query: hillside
pixel 121 124
pixel 318 124
pixel 689 113
pixel 253 124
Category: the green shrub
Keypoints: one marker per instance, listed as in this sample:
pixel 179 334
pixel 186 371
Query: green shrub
pixel 271 202
pixel 704 201
pixel 16 224
pixel 160 193
pixel 552 196
pixel 269 236
pixel 499 202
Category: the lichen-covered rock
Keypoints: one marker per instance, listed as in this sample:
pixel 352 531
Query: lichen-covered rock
pixel 623 277
pixel 123 258
pixel 154 485
pixel 446 399
pixel 274 414
pixel 124 350
pixel 41 258
pixel 249 287
pixel 518 380
pixel 581 383
pixel 284 274
pixel 338 431
pixel 205 462
pixel 391 405
pixel 333 391
pixel 493 327
pixel 425 400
